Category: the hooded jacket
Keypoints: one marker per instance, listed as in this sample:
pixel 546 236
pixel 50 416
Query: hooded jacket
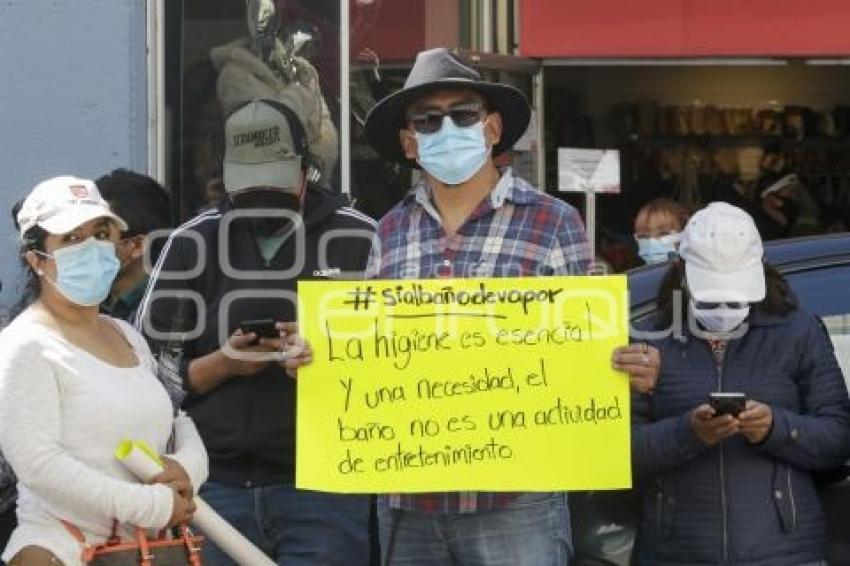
pixel 243 77
pixel 210 277
pixel 737 503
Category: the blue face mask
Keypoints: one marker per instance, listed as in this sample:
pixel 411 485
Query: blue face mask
pixel 657 250
pixel 85 271
pixel 453 154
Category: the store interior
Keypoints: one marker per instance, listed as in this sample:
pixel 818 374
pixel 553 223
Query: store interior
pixel 703 132
pixel 692 130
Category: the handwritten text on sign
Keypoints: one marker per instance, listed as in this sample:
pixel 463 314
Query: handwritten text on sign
pixel 446 385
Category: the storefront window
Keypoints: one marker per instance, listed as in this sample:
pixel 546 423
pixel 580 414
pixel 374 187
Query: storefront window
pixel 220 53
pixel 698 133
pixel 223 52
pixel 385 37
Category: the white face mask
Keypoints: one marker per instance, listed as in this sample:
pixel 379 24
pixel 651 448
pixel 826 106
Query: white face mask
pixel 722 319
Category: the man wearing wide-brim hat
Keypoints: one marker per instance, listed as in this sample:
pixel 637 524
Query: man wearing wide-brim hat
pixel 466 218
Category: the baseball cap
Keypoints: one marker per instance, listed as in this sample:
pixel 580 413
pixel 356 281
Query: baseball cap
pixel 264 146
pixel 723 255
pixel 61 204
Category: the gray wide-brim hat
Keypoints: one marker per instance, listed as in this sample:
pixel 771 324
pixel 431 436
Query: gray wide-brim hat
pixel 438 69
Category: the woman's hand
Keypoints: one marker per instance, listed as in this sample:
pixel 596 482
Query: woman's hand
pixel 643 364
pixel 174 476
pixel 756 421
pixel 181 511
pixel 710 428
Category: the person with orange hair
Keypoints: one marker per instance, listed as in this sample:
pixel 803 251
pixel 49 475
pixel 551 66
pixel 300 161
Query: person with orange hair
pixel 658 227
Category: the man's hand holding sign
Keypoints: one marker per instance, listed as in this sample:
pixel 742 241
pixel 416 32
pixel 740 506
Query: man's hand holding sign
pixel 496 384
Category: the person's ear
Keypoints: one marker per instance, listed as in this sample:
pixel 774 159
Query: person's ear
pixel 137 247
pixel 34 262
pixel 407 139
pixel 493 129
pixel 302 190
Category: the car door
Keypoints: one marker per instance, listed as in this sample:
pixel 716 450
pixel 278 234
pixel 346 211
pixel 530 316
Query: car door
pixel 825 291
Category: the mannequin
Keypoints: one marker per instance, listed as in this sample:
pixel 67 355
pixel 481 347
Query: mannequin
pixel 282 57
pixel 263 65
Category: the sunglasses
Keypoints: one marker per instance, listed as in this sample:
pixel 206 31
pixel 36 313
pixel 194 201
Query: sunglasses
pixel 703 305
pixel 463 115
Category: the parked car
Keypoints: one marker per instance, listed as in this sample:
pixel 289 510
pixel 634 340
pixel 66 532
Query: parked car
pixel 818 270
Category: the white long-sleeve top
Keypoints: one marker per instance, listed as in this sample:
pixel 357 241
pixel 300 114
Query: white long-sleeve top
pixel 63 413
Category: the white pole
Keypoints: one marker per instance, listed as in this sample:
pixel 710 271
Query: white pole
pixel 590 220
pixel 344 97
pixel 139 459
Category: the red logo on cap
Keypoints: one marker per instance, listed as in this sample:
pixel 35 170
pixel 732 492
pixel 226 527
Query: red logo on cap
pixel 79 191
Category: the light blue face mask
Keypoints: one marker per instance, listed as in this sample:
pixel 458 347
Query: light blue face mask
pixel 85 271
pixel 657 250
pixel 453 154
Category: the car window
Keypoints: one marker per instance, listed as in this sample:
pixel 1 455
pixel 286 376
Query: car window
pixel 838 326
pixel 823 291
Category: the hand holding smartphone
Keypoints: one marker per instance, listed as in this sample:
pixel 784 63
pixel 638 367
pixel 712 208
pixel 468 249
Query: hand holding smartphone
pixel 725 403
pixel 262 327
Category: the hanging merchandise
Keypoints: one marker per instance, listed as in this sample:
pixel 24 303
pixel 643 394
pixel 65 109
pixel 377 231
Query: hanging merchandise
pixel 265 65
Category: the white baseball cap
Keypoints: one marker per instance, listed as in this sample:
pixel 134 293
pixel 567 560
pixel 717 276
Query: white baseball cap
pixel 723 254
pixel 61 204
pixel 264 146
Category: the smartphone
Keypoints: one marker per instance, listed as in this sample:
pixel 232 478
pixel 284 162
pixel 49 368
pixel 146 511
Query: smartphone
pixel 727 403
pixel 262 327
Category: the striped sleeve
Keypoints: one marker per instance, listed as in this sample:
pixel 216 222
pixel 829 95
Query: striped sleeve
pixel 170 305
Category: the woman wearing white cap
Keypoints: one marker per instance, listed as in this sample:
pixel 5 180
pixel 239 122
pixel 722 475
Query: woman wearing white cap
pixel 74 384
pixel 727 479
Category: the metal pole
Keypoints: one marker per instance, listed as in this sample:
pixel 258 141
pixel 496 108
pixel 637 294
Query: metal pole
pixel 345 97
pixel 501 27
pixel 156 89
pixel 590 221
pixel 538 87
pixel 514 48
pixel 486 29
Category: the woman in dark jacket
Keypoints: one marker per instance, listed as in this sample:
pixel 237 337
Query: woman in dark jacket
pixel 723 488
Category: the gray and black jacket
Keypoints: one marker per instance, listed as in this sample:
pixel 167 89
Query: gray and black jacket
pixel 247 424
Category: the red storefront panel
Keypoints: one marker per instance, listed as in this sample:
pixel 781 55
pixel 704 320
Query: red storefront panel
pixel 394 30
pixel 684 28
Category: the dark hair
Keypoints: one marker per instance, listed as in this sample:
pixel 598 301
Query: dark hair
pixel 16 208
pixel 139 200
pixel 779 300
pixel 669 206
pixel 34 240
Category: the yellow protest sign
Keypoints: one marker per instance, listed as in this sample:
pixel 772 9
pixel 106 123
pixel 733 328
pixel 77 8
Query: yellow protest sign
pixel 463 384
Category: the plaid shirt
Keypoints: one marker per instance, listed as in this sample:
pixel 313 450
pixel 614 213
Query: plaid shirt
pixel 516 231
